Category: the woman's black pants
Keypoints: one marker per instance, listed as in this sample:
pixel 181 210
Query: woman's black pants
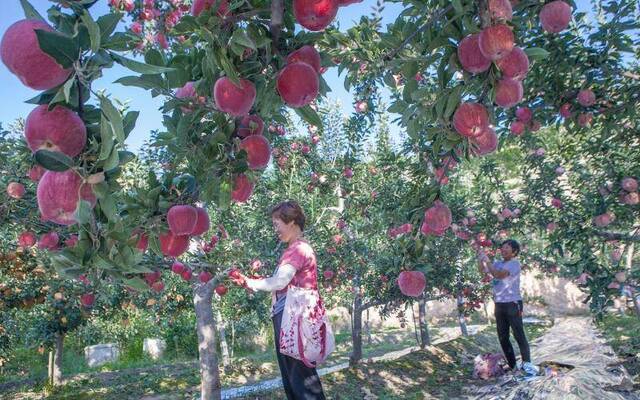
pixel 300 382
pixel 509 315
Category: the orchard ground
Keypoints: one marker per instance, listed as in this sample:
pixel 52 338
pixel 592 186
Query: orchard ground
pixel 144 378
pixel 442 371
pixel 518 120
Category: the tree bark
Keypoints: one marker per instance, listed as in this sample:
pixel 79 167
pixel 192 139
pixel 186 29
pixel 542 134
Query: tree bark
pixel 486 312
pixel 224 348
pixel 367 328
pixel 425 340
pixel 356 329
pixel 56 377
pixel 233 337
pixel 415 326
pixel 636 302
pixel 277 19
pixel 618 236
pixel 635 295
pixel 50 369
pixel 461 320
pixel 210 388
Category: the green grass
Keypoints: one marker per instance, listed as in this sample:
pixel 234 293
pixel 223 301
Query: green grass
pixel 621 332
pixel 28 364
pixel 134 384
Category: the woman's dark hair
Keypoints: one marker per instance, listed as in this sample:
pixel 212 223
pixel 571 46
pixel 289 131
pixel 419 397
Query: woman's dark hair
pixel 515 246
pixel 289 211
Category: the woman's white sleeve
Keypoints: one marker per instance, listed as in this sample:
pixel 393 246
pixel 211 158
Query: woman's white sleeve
pixel 279 281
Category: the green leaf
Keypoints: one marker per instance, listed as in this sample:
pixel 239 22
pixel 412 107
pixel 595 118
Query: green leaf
pixel 58 98
pixel 135 267
pixel 224 195
pixel 154 57
pixel 66 89
pixel 182 73
pixel 136 283
pixel 61 47
pixel 63 264
pixel 113 161
pixel 240 38
pixel 114 118
pixel 84 211
pixel 101 190
pixel 125 156
pixel 410 87
pixel 140 67
pixel 102 263
pixel 108 207
pixel 53 160
pixel 227 66
pixel 389 80
pixel 44 97
pixel 108 24
pixel 129 121
pixel 183 126
pixel 409 70
pixel 93 28
pixel 30 12
pixel 154 245
pixel 452 102
pixel 138 81
pixel 536 53
pixel 309 115
pixel 187 23
pixel 106 139
pixel 118 42
pixel 457 6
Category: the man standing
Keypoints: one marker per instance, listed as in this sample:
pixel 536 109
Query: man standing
pixel 508 303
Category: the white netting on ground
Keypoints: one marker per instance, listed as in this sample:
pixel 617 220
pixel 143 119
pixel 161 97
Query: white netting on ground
pixel 574 342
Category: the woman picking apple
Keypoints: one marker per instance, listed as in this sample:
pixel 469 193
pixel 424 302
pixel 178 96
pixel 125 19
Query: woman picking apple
pixel 303 337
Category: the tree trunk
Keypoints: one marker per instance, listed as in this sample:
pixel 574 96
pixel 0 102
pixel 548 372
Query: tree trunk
pixel 367 329
pixel 636 302
pixel 56 369
pixel 422 320
pixel 356 329
pixel 461 320
pixel 176 344
pixel 226 360
pixel 233 337
pixel 206 328
pixel 486 312
pixel 634 294
pixel 50 369
pixel 415 325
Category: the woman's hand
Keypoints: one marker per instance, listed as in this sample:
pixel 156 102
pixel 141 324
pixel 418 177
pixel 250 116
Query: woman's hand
pixel 251 284
pixel 237 277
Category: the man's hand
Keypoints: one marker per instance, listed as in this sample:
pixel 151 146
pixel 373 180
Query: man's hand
pixel 482 255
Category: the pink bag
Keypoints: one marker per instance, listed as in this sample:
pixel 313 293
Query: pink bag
pixel 305 332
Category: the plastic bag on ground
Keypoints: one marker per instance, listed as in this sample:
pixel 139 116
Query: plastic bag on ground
pixel 487 366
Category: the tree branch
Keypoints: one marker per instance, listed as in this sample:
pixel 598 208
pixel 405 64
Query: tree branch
pixel 434 17
pixel 277 13
pixel 618 236
pixel 373 303
pixel 248 14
